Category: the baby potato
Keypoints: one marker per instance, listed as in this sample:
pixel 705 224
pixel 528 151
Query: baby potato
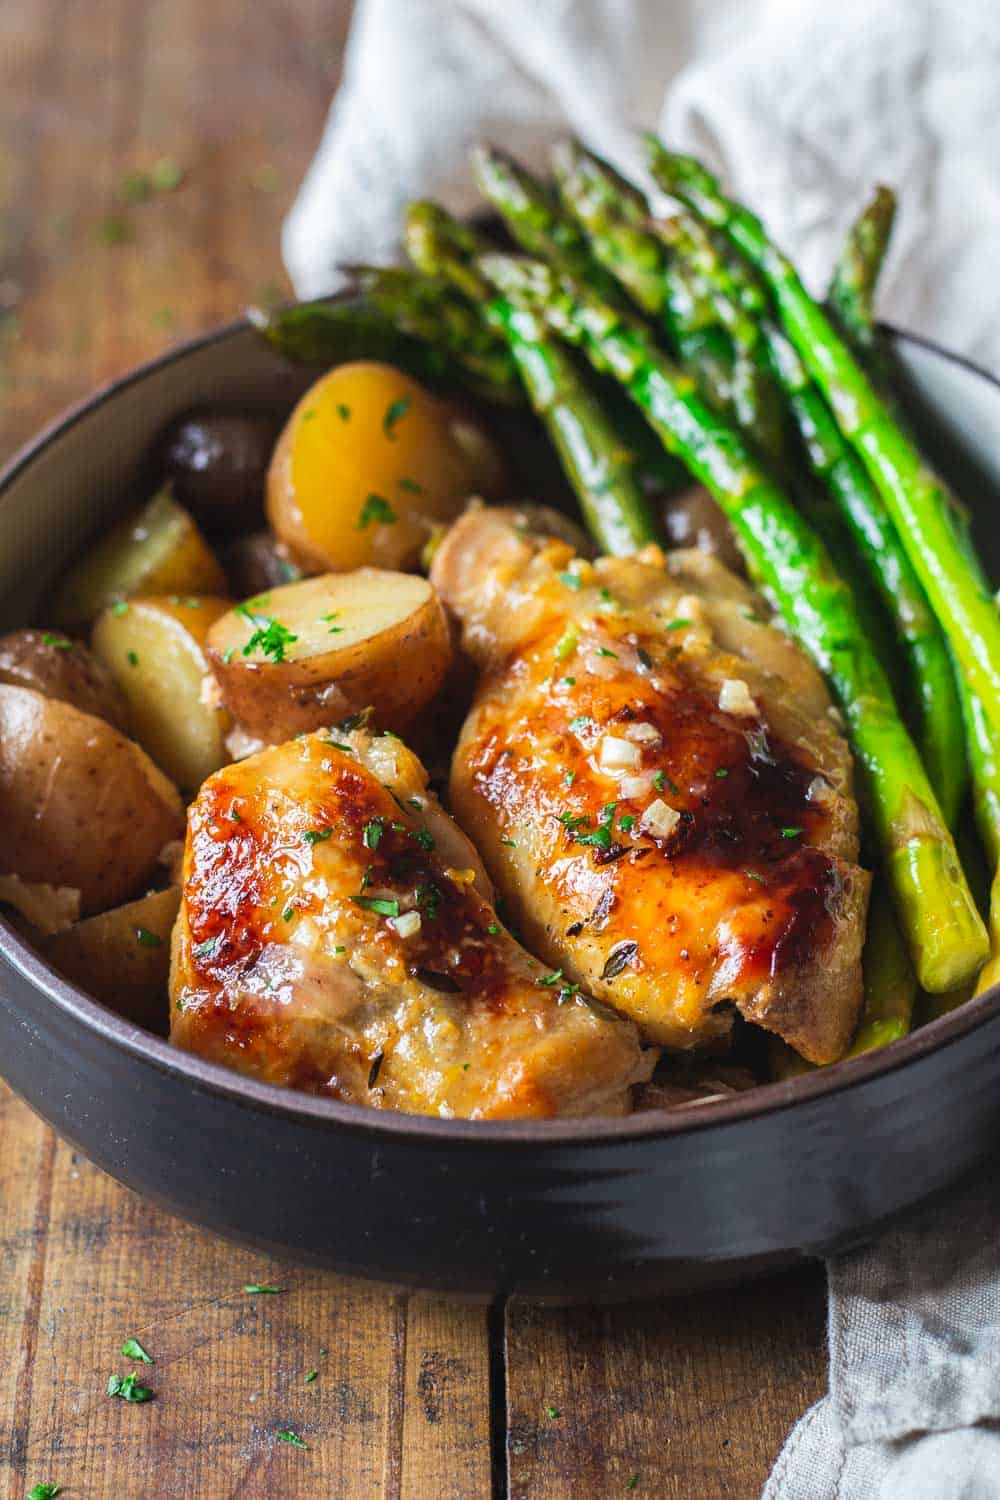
pixel 156 549
pixel 153 647
pixel 80 805
pixel 216 458
pixel 311 653
pixel 369 464
pixel 122 957
pixel 60 668
pixel 256 563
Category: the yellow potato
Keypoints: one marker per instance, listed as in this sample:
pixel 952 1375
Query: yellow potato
pixel 327 647
pixel 122 957
pixel 80 805
pixel 154 649
pixel 369 464
pixel 156 549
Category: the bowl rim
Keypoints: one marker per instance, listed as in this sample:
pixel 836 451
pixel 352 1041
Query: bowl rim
pixel 214 1078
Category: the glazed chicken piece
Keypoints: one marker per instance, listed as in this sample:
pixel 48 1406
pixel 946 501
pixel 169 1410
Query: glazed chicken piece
pixel 655 779
pixel 336 935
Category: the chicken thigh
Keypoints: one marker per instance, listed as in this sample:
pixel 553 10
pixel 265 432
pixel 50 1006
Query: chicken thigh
pixel 336 935
pixel 657 783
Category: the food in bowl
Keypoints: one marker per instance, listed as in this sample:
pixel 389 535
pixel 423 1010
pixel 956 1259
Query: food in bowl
pixel 489 816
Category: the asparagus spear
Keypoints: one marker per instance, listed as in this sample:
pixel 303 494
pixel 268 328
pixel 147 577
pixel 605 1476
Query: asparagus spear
pixel 916 500
pixel 599 466
pixel 890 985
pixel 944 931
pixel 851 294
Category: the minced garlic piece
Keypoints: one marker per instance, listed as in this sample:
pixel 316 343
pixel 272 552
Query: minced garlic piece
pixel 406 925
pixel 735 698
pixel 659 819
pixel 618 755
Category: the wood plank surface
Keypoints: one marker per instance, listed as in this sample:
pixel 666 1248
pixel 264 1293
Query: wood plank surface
pixel 691 1397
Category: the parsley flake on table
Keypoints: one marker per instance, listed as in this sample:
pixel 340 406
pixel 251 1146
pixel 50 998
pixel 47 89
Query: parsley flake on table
pixel 286 1435
pixel 376 511
pixel 44 1491
pixel 255 1290
pixel 128 1388
pixel 395 412
pixel 553 1412
pixel 132 1349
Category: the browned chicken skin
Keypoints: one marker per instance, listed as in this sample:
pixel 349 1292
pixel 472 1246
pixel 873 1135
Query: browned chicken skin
pixel 657 785
pixel 336 935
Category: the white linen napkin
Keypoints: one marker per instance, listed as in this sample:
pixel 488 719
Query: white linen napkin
pixel 803 106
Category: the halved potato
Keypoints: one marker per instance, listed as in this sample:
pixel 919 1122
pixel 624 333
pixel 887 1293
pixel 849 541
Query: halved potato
pixel 156 549
pixel 369 464
pixel 123 956
pixel 57 667
pixel 310 653
pixel 80 805
pixel 154 649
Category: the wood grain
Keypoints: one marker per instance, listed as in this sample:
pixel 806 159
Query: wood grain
pixel 693 1397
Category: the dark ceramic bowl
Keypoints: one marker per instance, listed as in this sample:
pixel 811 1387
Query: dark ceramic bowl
pixel 576 1209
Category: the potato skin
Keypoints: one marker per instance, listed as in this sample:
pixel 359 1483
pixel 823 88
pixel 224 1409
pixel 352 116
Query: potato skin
pixel 217 460
pixel 67 670
pixel 154 647
pixel 369 464
pixel 256 563
pixel 395 670
pixel 122 957
pixel 80 805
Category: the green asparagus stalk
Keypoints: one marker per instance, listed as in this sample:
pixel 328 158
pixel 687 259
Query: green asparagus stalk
pixel 431 310
pixel 598 465
pixel 851 294
pixel 915 498
pixel 329 333
pixel 890 985
pixel 944 932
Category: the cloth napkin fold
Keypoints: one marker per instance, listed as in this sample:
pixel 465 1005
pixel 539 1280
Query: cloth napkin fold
pixel 803 106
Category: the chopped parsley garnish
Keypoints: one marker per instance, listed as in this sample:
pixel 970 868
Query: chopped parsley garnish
pixel 551 979
pixel 259 1291
pixel 344 413
pixel 180 602
pixel 228 654
pixel 573 821
pixel 429 900
pixel 132 1349
pixel 553 1412
pixel 566 646
pixel 633 1481
pixel 206 949
pixel 569 681
pixel 334 629
pixel 384 906
pixel 120 607
pixel 372 832
pixel 336 744
pixel 340 948
pixel 511 843
pixel 754 875
pixel 286 1435
pixel 424 838
pixel 722 773
pixel 571 580
pixel 604 651
pixel 608 598
pixel 580 722
pixel 311 1377
pixel 569 778
pixel 288 913
pixel 676 624
pixel 128 1388
pixel 44 1491
pixel 376 511
pixel 269 635
pixel 627 823
pixel 566 990
pixel 58 641
pixel 133 659
pixel 234 815
pixel 791 833
pixel 147 939
pixel 493 929
pixel 411 485
pixel 601 837
pixel 394 413
pixel 317 835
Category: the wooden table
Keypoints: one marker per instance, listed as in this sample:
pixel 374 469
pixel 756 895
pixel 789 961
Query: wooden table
pixel 413 1399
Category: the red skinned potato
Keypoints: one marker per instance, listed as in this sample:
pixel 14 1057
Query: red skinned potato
pixel 80 805
pixel 311 653
pixel 57 667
